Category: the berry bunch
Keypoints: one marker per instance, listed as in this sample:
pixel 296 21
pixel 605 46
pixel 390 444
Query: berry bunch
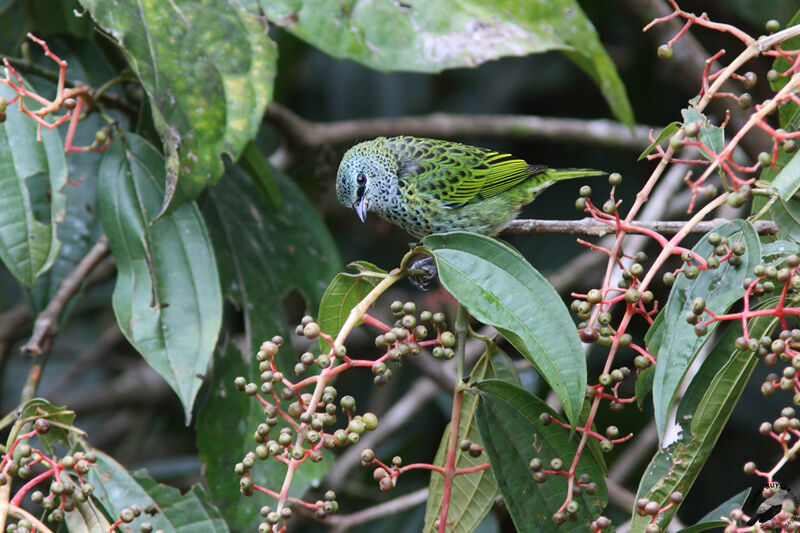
pixel 300 417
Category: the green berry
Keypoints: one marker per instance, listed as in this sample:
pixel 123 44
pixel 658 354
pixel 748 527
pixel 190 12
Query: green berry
pixel 665 51
pixel 745 100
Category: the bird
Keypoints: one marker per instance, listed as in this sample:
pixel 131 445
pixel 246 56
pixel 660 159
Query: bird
pixel 431 186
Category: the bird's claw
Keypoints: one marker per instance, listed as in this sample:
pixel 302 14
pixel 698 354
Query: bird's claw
pixel 423 271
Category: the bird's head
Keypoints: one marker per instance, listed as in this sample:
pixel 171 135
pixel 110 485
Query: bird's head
pixel 364 178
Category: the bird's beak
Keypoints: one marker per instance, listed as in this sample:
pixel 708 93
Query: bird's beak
pixel 361 208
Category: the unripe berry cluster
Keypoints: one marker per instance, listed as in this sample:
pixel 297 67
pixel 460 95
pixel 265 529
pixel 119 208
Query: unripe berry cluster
pixel 67 487
pixel 297 424
pixel 647 507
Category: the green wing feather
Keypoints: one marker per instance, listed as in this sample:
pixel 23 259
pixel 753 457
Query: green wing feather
pixel 455 173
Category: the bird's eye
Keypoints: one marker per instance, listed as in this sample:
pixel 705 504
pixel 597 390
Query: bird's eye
pixel 361 179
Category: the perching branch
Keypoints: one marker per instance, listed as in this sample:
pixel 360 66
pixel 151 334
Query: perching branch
pixel 590 226
pixel 599 132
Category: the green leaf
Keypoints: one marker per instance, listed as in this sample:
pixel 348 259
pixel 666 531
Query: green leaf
pixel 117 489
pixel 788 112
pixel 343 294
pixel 666 132
pixel 644 384
pixel 787 182
pixel 32 204
pixel 167 297
pixel 704 411
pixel 261 173
pixel 720 287
pixel 61 422
pixel 432 36
pixel 713 137
pixel 207 69
pixel 773 253
pixel 508 420
pixel 473 495
pixel 264 253
pixel 500 288
pixel 87 518
pixel 713 518
pixel 57 17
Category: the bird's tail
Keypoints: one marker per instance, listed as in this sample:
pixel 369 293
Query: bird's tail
pixel 571 173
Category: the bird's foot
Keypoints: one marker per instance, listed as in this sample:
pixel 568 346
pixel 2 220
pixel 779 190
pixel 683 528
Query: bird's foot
pixel 422 270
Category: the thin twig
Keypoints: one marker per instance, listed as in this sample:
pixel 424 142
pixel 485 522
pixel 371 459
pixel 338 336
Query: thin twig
pixel 590 226
pixel 46 324
pixel 342 523
pixel 110 100
pixel 315 135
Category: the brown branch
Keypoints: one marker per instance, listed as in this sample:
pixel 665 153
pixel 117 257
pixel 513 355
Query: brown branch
pixel 315 135
pixel 46 324
pixel 396 505
pixel 11 323
pixel 12 320
pixel 589 226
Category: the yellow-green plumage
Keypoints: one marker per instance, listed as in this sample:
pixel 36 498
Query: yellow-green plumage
pixel 429 186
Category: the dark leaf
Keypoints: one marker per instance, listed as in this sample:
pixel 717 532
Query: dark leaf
pixel 508 420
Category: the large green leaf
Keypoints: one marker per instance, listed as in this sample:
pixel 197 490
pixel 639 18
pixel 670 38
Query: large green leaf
pixel 432 36
pixel 32 204
pixel 703 413
pixel 167 298
pixel 117 489
pixel 207 68
pixel 500 288
pixel 508 420
pixel 472 495
pixel 263 254
pixel 677 343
